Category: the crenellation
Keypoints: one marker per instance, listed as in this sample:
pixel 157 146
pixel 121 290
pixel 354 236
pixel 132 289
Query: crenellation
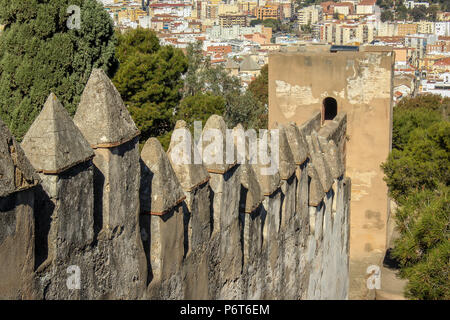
pixel 225 186
pixel 64 225
pixel 312 124
pixel 316 190
pixel 286 158
pixel 319 162
pixel 297 142
pixel 17 227
pixel 349 94
pixel 192 223
pixel 102 115
pixel 161 178
pixel 106 124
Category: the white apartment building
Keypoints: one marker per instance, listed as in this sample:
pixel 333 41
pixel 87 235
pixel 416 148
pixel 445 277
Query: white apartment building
pixel 442 28
pixel 234 32
pixel 180 10
pixel 386 29
pixel 440 87
pixel 310 15
pixel 366 7
pixel 426 27
pixel 347 33
pixel 419 43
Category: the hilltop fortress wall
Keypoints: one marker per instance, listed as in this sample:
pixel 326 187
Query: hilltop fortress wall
pixel 79 202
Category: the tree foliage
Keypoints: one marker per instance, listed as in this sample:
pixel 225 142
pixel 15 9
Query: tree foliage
pixel 260 90
pixel 422 164
pixel 40 54
pixel 268 23
pixel 418 176
pixel 260 86
pixel 149 78
pixel 423 249
pixel 420 112
pixel 200 107
pixel 201 77
pixel 387 15
pixel 418 13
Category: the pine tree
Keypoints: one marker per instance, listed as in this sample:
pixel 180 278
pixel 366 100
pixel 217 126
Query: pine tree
pixel 418 176
pixel 149 79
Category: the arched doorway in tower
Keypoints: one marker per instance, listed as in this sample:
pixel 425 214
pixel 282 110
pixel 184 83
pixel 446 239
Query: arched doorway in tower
pixel 329 109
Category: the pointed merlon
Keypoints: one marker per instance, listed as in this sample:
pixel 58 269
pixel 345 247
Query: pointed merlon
pixel 248 176
pixel 312 124
pixel 267 176
pixel 16 172
pixel 214 146
pixel 166 191
pixel 102 116
pixel 334 160
pixel 335 130
pixel 240 140
pixel 316 192
pixel 297 142
pixel 250 182
pixel 53 143
pixel 287 165
pixel 182 154
pixel 319 161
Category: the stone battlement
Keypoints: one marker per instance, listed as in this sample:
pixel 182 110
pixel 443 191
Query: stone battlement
pixel 84 215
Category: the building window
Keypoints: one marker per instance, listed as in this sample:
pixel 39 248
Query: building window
pixel 329 109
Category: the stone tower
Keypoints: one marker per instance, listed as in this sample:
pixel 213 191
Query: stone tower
pixel 360 84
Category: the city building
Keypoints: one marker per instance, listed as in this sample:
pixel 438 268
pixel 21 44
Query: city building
pixel 347 33
pixel 309 15
pixel 229 20
pixel 426 27
pixel 269 11
pixel 366 7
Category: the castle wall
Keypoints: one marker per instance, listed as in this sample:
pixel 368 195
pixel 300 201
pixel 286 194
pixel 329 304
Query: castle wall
pixel 17 227
pixel 17 246
pixel 117 206
pixel 144 226
pixel 361 83
pixel 65 225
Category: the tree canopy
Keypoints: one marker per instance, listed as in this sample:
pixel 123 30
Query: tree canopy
pixel 418 13
pixel 149 79
pixel 200 107
pixel 418 176
pixel 40 54
pixel 240 105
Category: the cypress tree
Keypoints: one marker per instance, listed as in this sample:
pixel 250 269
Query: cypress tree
pixel 40 53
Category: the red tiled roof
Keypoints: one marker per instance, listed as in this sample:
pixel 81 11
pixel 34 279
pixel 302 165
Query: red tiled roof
pixel 327 6
pixel 218 60
pixel 344 4
pixel 367 3
pixel 443 62
pixel 165 16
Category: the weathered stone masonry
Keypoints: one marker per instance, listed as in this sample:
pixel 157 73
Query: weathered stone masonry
pixel 77 194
